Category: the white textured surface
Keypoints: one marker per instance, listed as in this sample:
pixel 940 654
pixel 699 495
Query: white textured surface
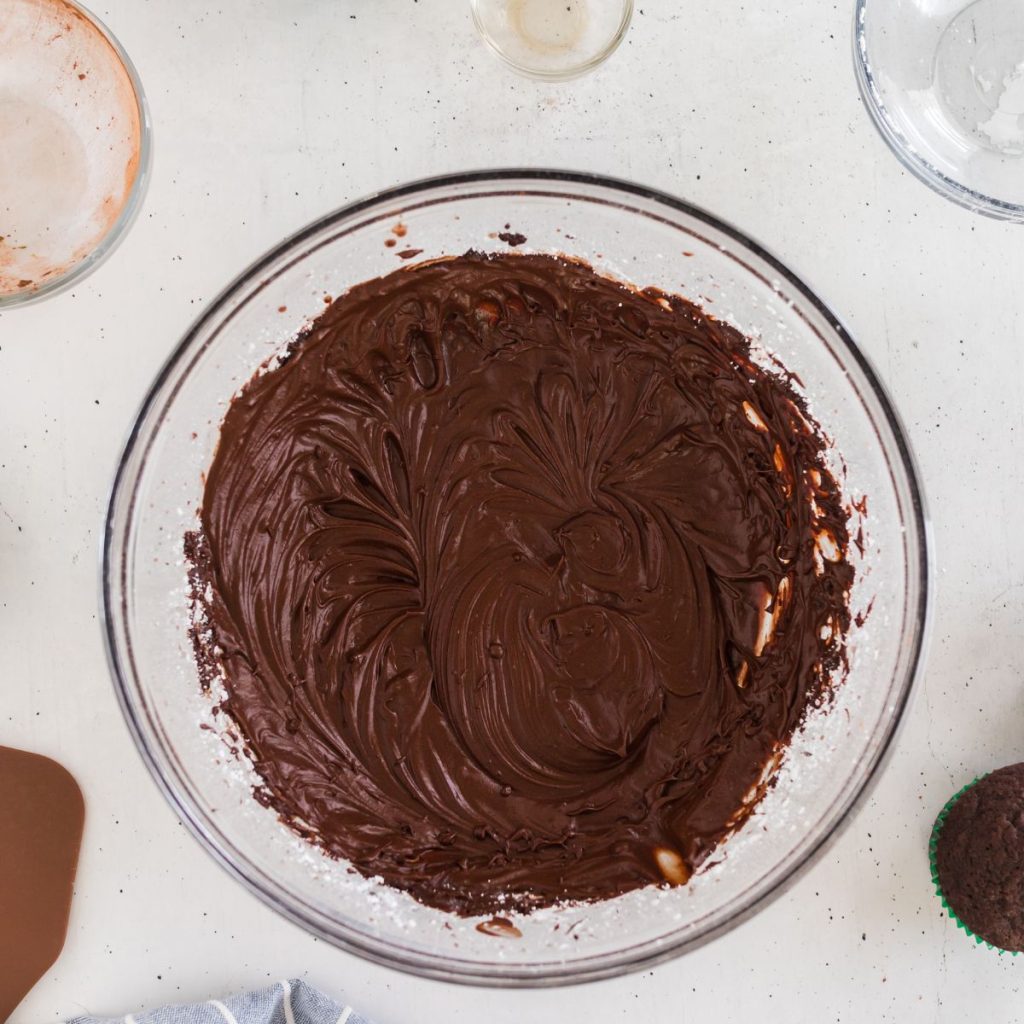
pixel 269 113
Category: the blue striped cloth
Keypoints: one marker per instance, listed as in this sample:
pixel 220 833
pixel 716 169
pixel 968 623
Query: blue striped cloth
pixel 287 1002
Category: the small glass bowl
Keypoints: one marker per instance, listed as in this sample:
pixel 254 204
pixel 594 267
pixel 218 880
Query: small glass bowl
pixel 626 231
pixel 943 81
pixel 552 41
pixel 75 152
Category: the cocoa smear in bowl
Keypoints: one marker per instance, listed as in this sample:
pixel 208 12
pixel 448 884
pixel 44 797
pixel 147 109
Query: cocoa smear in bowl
pixel 519 581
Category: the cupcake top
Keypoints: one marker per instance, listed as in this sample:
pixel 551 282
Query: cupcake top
pixel 979 857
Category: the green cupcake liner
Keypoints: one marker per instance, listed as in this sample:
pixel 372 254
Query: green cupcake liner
pixel 932 843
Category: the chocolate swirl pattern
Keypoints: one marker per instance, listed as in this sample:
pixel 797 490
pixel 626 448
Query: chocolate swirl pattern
pixel 518 579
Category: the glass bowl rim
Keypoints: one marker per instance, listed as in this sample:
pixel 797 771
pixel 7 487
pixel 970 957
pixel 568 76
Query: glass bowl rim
pixel 943 184
pixel 497 974
pixel 136 193
pixel 561 74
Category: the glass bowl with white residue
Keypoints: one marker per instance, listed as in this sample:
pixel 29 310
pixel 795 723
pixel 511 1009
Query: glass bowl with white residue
pixel 627 232
pixel 552 41
pixel 943 81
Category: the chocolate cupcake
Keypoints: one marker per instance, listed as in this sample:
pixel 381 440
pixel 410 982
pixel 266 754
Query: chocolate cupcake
pixel 977 859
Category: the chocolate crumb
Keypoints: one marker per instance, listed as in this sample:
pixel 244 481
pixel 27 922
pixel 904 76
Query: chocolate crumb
pixel 500 928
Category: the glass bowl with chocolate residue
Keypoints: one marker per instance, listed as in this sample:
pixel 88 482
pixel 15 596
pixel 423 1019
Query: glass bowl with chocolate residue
pixel 76 147
pixel 626 232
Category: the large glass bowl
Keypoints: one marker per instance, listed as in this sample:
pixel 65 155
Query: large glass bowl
pixel 626 231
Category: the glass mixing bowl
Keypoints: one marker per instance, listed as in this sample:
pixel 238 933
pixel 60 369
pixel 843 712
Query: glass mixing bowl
pixel 628 232
pixel 76 147
pixel 943 81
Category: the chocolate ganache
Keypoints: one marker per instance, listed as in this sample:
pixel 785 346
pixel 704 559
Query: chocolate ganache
pixel 518 581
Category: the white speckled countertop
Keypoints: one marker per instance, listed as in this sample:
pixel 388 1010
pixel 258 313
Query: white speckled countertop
pixel 270 112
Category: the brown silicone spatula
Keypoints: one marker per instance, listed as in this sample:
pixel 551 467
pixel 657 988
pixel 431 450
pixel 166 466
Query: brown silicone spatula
pixel 41 818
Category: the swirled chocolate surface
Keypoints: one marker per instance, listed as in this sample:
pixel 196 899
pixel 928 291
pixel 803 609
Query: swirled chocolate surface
pixel 518 581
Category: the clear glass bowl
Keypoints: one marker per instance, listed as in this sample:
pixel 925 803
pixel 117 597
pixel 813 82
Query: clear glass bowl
pixel 552 41
pixel 74 164
pixel 628 232
pixel 943 81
